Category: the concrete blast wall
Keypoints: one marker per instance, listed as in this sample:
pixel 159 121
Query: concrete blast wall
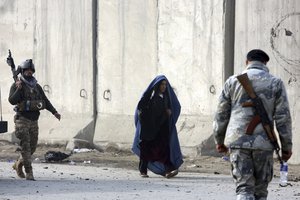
pixel 127 56
pixel 273 26
pixel 139 40
pixel 63 45
pixel 95 58
pixel 58 36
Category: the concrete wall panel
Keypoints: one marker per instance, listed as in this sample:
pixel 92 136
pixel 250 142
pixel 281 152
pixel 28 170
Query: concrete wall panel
pixel 17 27
pixel 273 26
pixel 190 41
pixel 189 49
pixel 64 53
pixel 57 35
pixel 127 57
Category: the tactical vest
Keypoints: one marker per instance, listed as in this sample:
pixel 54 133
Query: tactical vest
pixel 33 100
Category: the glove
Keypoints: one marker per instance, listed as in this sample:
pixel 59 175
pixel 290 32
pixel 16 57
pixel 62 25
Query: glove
pixel 10 61
pixel 221 148
pixel 286 155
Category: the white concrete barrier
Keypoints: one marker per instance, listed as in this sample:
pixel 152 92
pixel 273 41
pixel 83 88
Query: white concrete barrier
pixel 127 62
pixel 273 26
pixel 128 43
pixel 58 36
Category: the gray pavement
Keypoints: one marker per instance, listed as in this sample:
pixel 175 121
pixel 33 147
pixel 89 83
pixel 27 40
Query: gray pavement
pixel 64 181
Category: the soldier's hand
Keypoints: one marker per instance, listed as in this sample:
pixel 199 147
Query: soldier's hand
pixel 57 115
pixel 221 148
pixel 9 61
pixel 286 155
pixel 19 84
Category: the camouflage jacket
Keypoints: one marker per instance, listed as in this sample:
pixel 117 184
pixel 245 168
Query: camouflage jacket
pixel 231 119
pixel 29 93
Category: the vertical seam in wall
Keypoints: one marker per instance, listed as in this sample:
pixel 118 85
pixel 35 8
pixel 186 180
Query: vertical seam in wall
pixel 229 37
pixel 94 55
pixel 122 19
pixel 34 53
pixel 157 41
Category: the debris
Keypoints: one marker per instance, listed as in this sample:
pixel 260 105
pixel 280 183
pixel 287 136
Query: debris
pixel 194 166
pixel 83 150
pixel 72 162
pixel 295 179
pixel 226 158
pixel 55 156
pixel 285 185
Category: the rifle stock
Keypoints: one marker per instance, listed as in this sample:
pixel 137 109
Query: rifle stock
pixel 261 112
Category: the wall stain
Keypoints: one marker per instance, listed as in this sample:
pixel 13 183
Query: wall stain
pixel 290 65
pixel 7 6
pixel 25 25
pixel 292 80
pixel 288 33
pixel 185 126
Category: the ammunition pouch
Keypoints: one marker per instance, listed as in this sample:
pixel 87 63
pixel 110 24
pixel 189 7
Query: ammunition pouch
pixel 31 105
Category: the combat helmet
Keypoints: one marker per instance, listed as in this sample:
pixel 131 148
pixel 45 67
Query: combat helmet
pixel 27 64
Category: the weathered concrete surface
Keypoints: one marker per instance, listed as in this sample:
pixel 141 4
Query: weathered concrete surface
pixel 127 59
pixel 191 42
pixel 86 182
pixel 57 35
pixel 17 29
pixel 164 37
pixel 190 51
pixel 63 45
pixel 273 26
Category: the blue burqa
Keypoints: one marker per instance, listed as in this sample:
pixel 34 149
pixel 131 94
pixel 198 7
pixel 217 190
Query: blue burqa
pixel 175 152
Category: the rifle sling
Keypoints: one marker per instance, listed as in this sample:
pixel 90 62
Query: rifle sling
pixel 256 119
pixel 245 82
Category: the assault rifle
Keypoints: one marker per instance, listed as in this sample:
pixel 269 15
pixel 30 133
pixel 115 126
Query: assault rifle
pixel 10 62
pixel 261 115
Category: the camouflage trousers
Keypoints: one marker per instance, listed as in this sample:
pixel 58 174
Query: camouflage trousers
pixel 252 171
pixel 27 132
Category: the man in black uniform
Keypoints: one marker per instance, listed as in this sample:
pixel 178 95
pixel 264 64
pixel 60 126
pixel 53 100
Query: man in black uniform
pixel 29 98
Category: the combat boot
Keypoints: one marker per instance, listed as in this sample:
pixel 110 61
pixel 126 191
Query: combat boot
pixel 29 176
pixel 18 167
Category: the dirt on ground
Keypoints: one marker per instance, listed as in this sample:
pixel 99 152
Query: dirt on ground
pixel 125 159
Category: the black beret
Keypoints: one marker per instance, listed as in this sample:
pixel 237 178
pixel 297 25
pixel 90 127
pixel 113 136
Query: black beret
pixel 257 55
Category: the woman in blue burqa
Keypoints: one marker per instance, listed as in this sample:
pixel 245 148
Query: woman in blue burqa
pixel 156 141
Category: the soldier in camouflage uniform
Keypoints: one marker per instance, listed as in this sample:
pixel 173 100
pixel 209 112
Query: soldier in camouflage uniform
pixel 251 156
pixel 29 98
